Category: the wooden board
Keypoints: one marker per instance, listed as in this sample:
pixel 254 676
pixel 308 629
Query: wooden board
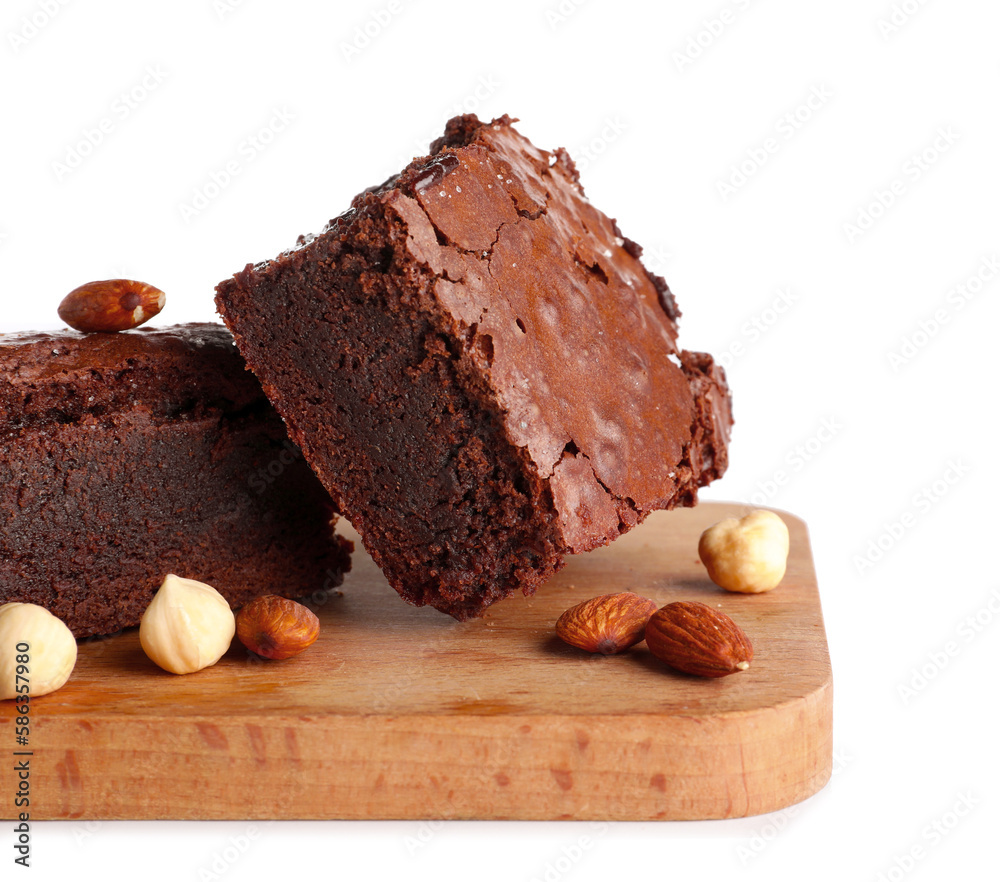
pixel 399 712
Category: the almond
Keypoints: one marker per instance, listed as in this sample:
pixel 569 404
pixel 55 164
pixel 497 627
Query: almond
pixel 110 306
pixel 698 639
pixel 276 627
pixel 606 624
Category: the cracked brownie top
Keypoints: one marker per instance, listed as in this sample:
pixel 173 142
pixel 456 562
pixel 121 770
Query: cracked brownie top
pixel 577 338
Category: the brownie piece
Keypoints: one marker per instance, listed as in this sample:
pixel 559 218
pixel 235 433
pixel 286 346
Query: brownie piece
pixel 124 457
pixel 480 370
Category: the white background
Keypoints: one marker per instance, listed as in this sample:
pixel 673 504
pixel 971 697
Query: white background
pixel 852 410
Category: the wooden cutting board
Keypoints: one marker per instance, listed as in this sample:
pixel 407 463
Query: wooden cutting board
pixel 398 712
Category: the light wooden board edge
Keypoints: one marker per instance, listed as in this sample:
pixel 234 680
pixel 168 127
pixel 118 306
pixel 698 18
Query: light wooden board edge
pixel 473 765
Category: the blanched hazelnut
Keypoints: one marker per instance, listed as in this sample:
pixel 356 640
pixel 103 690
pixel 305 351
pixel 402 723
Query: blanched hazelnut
pixel 188 626
pixel 36 644
pixel 749 554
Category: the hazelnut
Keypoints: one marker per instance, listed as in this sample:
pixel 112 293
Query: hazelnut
pixel 188 626
pixel 747 555
pixel 276 627
pixel 36 644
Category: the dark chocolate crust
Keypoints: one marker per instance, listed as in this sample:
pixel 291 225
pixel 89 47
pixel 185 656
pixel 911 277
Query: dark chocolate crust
pixel 127 456
pixel 481 371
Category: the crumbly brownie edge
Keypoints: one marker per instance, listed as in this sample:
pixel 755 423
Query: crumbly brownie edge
pixel 415 459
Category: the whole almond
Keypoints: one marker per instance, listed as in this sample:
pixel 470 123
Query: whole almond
pixel 276 627
pixel 698 639
pixel 110 306
pixel 606 624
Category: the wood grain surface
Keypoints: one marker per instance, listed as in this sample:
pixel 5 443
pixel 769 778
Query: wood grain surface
pixel 398 712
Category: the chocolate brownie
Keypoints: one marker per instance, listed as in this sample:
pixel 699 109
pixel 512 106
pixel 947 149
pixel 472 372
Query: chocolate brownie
pixel 124 457
pixel 479 368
